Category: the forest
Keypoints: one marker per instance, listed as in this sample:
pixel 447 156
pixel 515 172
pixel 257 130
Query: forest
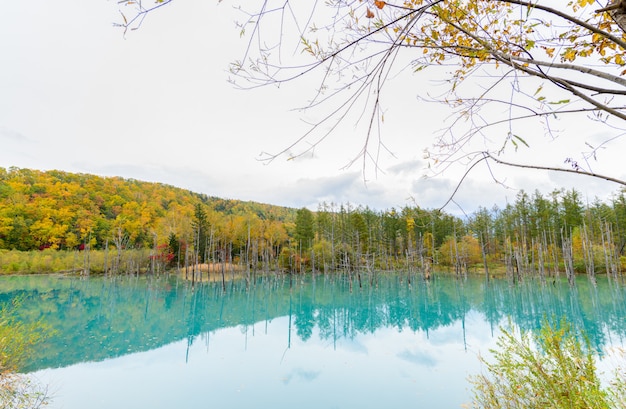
pixel 54 221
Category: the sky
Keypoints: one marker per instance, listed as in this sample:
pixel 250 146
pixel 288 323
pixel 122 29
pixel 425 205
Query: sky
pixel 157 104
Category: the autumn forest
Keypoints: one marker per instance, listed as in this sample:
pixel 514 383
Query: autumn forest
pixel 56 221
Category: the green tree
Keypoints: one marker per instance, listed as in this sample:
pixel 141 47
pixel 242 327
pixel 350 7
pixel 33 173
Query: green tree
pixel 174 247
pixel 572 209
pixel 361 233
pixel 201 231
pixel 482 224
pixel 305 228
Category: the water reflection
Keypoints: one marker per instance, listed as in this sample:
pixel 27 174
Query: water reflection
pixel 311 342
pixel 100 318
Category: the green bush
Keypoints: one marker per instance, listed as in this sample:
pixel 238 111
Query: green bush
pixel 548 369
pixel 17 339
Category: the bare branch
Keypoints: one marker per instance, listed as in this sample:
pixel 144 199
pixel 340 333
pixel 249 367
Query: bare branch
pixel 487 155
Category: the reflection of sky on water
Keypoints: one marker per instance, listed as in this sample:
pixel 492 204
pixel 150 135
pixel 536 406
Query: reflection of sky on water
pixel 420 358
pixel 255 366
pixel 313 344
pixel 300 374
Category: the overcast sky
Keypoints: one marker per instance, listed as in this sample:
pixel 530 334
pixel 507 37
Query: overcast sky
pixel 156 105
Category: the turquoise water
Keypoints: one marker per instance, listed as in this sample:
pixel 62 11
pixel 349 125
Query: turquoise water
pixel 305 342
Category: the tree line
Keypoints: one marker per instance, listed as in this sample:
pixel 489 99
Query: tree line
pixel 536 235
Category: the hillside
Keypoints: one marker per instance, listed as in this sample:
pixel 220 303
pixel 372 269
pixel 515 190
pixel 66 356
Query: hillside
pixel 168 227
pixel 61 210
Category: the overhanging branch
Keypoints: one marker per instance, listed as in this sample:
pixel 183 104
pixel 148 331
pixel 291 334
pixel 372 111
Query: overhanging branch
pixel 487 155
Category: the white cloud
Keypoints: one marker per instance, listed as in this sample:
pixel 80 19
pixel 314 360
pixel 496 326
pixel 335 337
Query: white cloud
pixel 155 105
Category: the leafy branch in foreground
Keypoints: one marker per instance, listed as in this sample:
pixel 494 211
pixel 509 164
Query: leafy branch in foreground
pixel 507 71
pixel 505 68
pixel 548 369
pixel 17 339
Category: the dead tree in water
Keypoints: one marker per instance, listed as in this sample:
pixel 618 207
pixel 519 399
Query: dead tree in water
pixel 588 256
pixel 611 257
pixel 106 257
pixel 541 245
pixel 120 240
pixel 568 259
pixel 86 256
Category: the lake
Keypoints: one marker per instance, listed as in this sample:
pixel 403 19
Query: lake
pixel 290 341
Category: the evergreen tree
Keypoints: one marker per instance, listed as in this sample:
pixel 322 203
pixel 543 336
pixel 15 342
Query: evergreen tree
pixel 174 249
pixel 200 227
pixel 305 228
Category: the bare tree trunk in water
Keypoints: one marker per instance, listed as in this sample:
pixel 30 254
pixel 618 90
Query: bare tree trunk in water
pixel 186 262
pixel 483 252
pixel 106 257
pixel 588 255
pixel 223 264
pixel 568 259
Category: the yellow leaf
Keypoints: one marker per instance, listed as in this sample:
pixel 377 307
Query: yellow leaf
pixel 569 55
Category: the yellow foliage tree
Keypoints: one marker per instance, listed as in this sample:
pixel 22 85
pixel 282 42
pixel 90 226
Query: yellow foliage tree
pixel 465 252
pixel 428 243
